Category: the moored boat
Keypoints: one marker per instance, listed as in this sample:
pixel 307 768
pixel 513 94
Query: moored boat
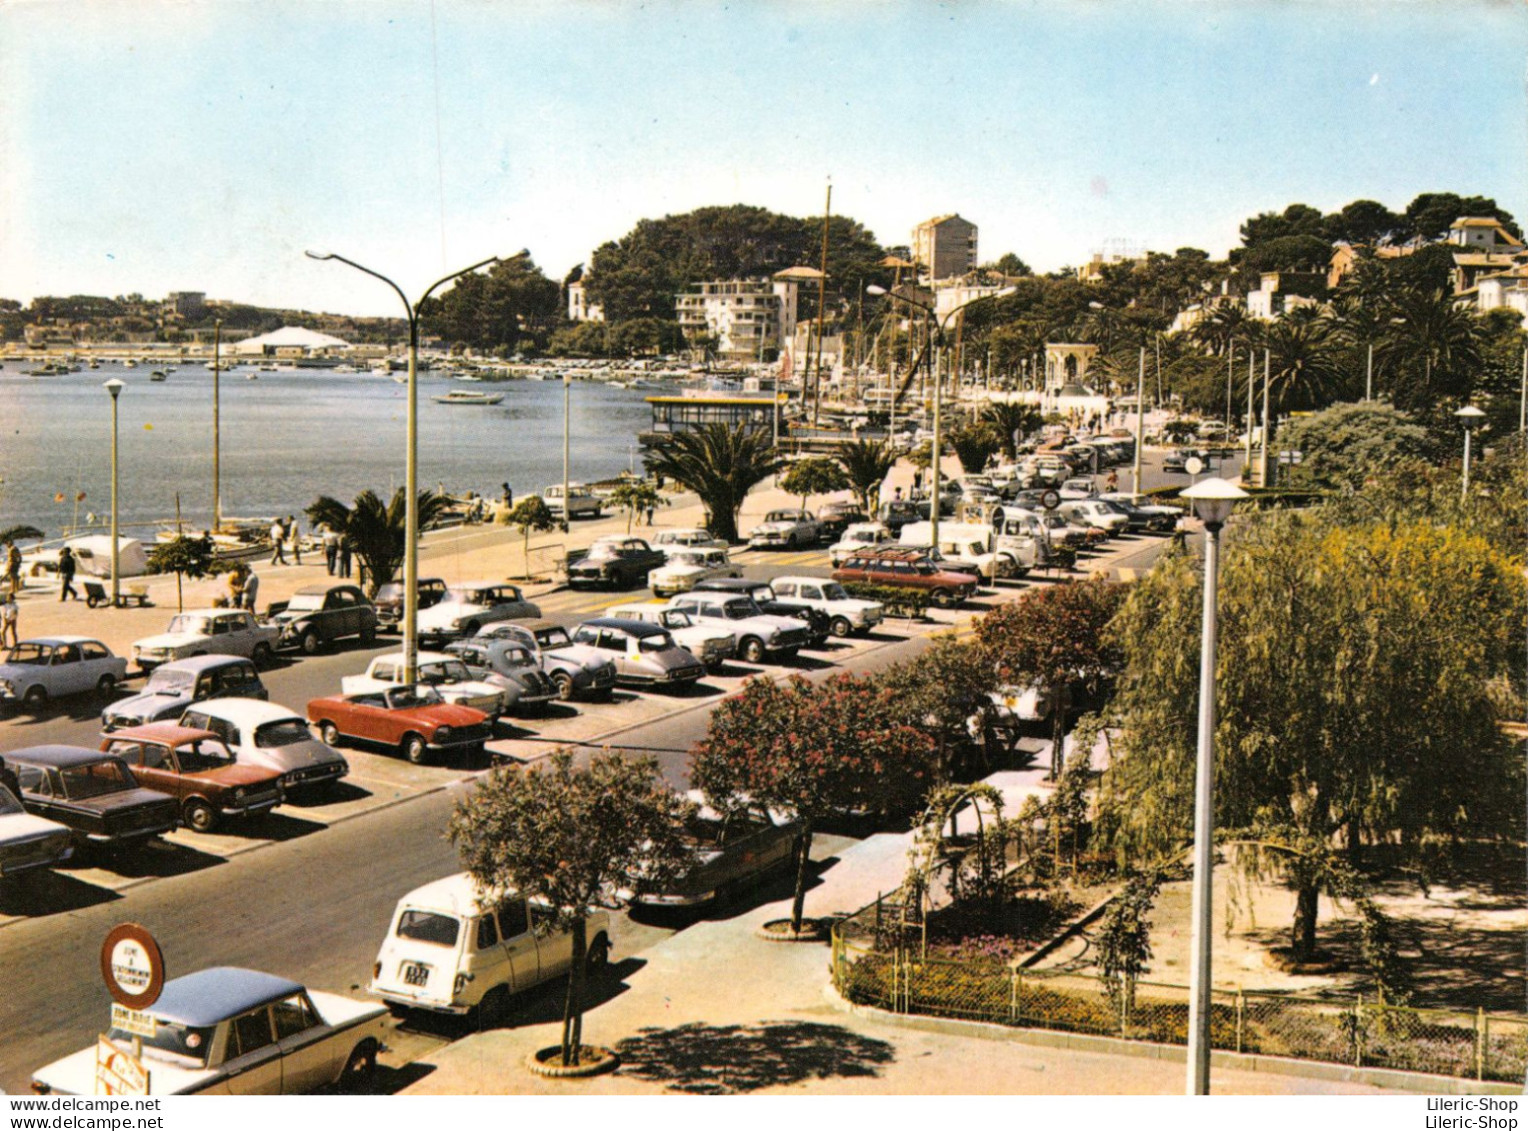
pixel 468 396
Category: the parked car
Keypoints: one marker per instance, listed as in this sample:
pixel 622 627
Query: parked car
pixel 576 669
pixel 197 769
pixel 526 688
pixel 450 678
pixel 415 721
pixel 94 794
pixel 685 567
pixel 818 623
pixel 642 653
pixel 54 667
pixel 897 513
pixel 760 636
pixel 834 518
pixel 29 842
pixel 729 852
pixel 1095 513
pixel 847 615
pixel 686 538
pixel 319 615
pixel 1013 705
pixel 786 528
pixel 389 601
pixel 966 547
pixel 231 1031
pixel 470 605
pixel 711 646
pixel 618 561
pixel 582 502
pixel 172 687
pixel 1142 514
pixel 267 734
pixel 227 632
pixel 453 949
pixel 859 536
pixel 908 569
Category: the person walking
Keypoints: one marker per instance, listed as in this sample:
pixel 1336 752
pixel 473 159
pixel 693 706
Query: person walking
pixel 250 590
pixel 331 549
pixel 1112 482
pixel 235 598
pixel 8 614
pixel 8 780
pixel 296 536
pixel 345 551
pixel 278 543
pixel 13 567
pixel 66 568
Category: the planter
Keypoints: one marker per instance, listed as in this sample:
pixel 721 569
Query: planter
pixel 592 1061
pixel 812 930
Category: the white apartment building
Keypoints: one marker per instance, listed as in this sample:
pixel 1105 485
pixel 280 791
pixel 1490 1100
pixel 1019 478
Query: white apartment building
pixel 745 317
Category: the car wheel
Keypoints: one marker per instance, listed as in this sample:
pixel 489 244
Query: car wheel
pixel 752 649
pixel 943 598
pixel 198 816
pixel 841 626
pixel 413 748
pixel 263 655
pixel 361 1068
pixel 790 543
pixel 564 684
pixel 493 1010
pixel 598 957
pixel 36 697
pixel 107 685
pixel 310 643
pixel 329 733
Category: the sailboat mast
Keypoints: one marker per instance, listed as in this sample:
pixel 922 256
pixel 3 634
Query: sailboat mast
pixel 822 286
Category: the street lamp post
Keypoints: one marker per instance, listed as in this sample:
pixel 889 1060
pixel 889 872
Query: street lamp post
pixel 567 416
pixel 938 326
pixel 1212 500
pixel 1468 416
pixel 114 387
pixel 217 434
pixel 411 475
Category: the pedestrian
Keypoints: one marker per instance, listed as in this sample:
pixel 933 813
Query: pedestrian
pixel 235 596
pixel 8 614
pixel 9 781
pixel 1112 482
pixel 917 480
pixel 66 569
pixel 278 543
pixel 650 509
pixel 346 549
pixel 251 588
pixel 896 495
pixel 13 567
pixel 331 549
pixel 508 496
pixel 296 536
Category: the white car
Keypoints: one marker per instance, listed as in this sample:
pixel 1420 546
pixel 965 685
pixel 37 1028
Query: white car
pixel 582 502
pixel 759 635
pixel 448 675
pixel 859 536
pixel 228 632
pixel 850 616
pixel 1094 513
pixel 686 567
pixel 786 528
pixel 267 734
pixel 451 950
pixel 28 841
pixel 712 646
pixel 686 538
pixel 469 605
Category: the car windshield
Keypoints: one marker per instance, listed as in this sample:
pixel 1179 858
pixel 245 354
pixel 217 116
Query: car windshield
pixel 455 672
pixel 191 626
pixel 553 638
pixel 676 619
pixel 282 732
pixel 781 516
pixel 429 927
pixel 402 698
pixel 29 654
pixel 662 642
pixel 687 557
pixel 173 1038
pixel 833 591
pixel 96 779
pixel 168 681
pixel 8 803
pixel 740 610
pixel 306 603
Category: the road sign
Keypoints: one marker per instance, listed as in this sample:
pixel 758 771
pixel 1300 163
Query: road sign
pixel 118 1073
pixel 132 966
pixel 1289 456
pixel 139 1024
pixel 1050 500
pixel 1193 465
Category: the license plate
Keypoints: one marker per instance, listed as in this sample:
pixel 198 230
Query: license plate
pixel 415 974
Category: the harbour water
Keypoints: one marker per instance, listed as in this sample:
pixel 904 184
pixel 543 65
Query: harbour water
pixel 287 438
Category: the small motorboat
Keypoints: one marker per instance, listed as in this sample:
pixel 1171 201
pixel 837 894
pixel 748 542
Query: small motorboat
pixel 159 375
pixel 468 396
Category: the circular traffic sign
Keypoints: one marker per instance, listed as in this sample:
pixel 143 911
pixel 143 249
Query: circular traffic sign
pixel 1051 500
pixel 1193 465
pixel 132 965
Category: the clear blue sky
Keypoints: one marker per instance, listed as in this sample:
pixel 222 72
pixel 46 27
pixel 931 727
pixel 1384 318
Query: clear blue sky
pixel 151 145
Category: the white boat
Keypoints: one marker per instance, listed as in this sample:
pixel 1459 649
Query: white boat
pixel 130 364
pixel 468 396
pixel 251 376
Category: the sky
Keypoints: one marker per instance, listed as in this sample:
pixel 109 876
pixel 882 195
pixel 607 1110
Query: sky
pixel 151 146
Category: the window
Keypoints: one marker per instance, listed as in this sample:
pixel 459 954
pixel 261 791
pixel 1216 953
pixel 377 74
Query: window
pixel 94 651
pixel 282 732
pixel 293 1016
pixel 428 927
pixel 156 757
pixel 385 672
pixel 487 933
pixel 198 757
pixel 66 654
pixel 249 1033
pixel 587 636
pixel 235 676
pixel 512 919
pixel 612 640
pixel 34 779
pixel 787 589
pixel 220 627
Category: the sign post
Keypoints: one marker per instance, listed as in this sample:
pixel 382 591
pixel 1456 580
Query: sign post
pixel 132 966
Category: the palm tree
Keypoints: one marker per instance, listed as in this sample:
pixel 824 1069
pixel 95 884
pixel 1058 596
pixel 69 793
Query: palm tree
pixel 1306 370
pixel 1432 347
pixel 1227 323
pixel 720 463
pixel 1012 420
pixel 376 532
pixel 866 463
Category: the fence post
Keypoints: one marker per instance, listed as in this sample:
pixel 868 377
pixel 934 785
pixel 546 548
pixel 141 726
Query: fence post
pixel 1013 993
pixel 878 896
pixel 1358 1031
pixel 1481 1029
pixel 1241 1017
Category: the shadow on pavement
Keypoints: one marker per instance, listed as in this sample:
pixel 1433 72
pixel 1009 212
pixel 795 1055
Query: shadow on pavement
pixel 50 892
pixel 702 1059
pixel 160 859
pixel 336 794
pixel 390 1081
pixel 272 826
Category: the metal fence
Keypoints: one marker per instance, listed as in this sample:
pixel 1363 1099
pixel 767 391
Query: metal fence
pixel 877 961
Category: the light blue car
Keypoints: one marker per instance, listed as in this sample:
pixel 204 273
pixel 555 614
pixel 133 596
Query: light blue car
pixel 53 667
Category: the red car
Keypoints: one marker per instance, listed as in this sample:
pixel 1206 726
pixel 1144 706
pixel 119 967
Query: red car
pixel 415 721
pixel 196 768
